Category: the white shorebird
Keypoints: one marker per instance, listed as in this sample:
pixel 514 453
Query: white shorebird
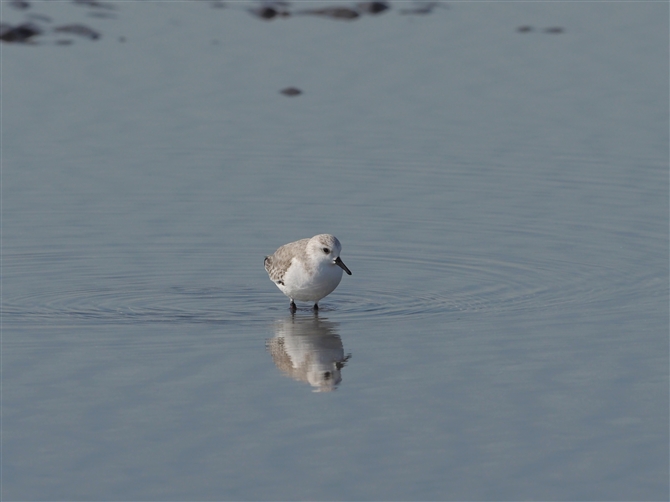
pixel 307 270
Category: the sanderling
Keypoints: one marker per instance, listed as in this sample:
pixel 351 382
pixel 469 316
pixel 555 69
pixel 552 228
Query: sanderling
pixel 307 270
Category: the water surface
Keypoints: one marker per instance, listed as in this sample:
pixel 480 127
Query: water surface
pixel 502 201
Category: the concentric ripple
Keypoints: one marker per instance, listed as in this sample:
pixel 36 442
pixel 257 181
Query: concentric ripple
pixel 473 285
pixel 480 286
pixel 133 304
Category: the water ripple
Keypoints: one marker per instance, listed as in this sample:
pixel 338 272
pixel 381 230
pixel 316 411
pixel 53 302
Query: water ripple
pixel 462 285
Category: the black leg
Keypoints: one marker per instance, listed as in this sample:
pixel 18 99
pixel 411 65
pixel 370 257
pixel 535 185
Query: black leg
pixel 316 307
pixel 292 307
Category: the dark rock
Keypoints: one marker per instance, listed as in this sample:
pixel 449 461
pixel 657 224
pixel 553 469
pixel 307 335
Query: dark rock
pixel 422 8
pixel 373 7
pixel 291 91
pixel 334 12
pixel 19 34
pixel 95 4
pixel 19 4
pixel 268 12
pixel 78 29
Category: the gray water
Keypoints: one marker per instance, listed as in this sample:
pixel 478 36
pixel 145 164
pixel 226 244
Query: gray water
pixel 502 201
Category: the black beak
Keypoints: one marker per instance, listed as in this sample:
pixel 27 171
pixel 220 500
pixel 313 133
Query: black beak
pixel 341 264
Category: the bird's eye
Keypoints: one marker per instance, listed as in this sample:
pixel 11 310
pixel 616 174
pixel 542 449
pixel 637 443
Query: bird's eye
pixel 326 250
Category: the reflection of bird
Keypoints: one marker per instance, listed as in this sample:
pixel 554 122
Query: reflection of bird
pixel 307 270
pixel 309 350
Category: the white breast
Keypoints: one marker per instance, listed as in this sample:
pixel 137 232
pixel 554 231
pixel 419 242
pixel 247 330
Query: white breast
pixel 310 285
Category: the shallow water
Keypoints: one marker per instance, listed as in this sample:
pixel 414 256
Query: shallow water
pixel 502 201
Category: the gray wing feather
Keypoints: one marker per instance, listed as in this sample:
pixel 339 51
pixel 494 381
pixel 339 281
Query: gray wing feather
pixel 277 264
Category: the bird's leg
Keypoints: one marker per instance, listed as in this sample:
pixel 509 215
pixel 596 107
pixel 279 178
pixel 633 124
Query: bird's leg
pixel 316 307
pixel 293 307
